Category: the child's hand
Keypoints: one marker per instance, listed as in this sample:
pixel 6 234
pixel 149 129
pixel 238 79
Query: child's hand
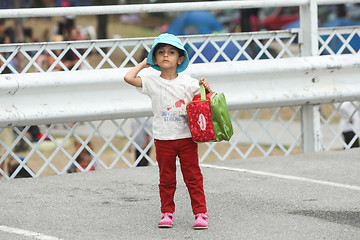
pixel 132 76
pixel 205 82
pixel 144 63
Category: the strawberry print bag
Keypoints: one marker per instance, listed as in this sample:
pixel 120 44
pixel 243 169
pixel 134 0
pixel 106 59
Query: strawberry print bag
pixel 209 118
pixel 199 113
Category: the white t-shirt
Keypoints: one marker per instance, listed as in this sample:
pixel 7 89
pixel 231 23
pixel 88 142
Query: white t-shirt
pixel 169 99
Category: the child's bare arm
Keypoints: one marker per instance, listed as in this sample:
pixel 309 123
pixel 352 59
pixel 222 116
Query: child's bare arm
pixel 205 82
pixel 132 76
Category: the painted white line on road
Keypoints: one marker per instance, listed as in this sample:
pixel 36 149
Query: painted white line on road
pixel 333 184
pixel 27 233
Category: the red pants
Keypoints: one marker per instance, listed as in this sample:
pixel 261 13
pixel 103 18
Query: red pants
pixel 187 150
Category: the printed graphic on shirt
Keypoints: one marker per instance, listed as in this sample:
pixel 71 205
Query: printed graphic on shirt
pixel 178 104
pixel 173 104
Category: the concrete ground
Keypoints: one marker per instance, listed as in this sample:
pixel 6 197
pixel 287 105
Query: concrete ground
pixel 311 196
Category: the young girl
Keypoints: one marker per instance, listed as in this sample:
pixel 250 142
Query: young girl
pixel 170 93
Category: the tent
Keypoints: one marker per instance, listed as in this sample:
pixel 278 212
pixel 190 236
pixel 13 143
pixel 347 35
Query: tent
pixel 195 22
pixel 202 22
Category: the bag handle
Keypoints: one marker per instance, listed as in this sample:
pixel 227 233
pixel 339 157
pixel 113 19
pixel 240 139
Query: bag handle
pixel 203 92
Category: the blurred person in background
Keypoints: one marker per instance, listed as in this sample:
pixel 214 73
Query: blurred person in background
pixel 350 122
pixel 142 139
pixel 83 159
pixel 13 165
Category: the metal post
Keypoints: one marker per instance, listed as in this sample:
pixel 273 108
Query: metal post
pixel 310 124
pixel 310 115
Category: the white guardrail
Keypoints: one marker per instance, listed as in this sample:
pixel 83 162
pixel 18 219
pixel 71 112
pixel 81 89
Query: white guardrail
pixel 103 94
pixel 164 7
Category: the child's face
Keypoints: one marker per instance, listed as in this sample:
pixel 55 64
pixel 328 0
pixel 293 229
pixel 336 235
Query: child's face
pixel 84 159
pixel 167 57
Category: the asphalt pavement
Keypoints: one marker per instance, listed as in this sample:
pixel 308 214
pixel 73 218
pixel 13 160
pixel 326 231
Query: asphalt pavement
pixel 307 196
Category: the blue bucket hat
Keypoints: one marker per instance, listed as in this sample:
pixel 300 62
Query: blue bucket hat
pixel 173 41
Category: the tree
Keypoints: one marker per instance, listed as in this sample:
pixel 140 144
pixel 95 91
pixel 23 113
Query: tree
pixel 102 20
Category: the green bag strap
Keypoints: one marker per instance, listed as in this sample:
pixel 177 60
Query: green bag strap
pixel 203 92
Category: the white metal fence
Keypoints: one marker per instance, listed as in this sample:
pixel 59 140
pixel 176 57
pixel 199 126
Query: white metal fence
pixel 281 102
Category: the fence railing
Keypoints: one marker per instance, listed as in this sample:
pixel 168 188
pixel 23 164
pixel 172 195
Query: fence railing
pixel 281 102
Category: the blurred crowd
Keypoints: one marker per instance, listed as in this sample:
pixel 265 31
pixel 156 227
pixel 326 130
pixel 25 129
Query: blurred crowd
pixel 13 31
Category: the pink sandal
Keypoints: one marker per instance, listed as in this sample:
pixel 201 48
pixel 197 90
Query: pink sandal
pixel 166 220
pixel 201 221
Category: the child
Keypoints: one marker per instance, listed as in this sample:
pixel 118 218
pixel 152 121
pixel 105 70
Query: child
pixel 170 93
pixel 83 159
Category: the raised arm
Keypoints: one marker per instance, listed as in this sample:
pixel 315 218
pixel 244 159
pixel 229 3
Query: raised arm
pixel 132 76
